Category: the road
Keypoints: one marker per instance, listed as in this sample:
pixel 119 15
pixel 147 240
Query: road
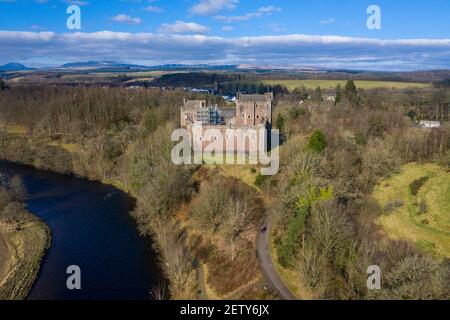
pixel 267 267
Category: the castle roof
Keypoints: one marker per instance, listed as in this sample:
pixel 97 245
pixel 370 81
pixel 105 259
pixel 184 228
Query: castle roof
pixel 252 97
pixel 194 104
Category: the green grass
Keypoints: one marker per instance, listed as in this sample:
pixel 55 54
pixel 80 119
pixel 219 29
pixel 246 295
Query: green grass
pixel 16 130
pixel 428 228
pixel 331 84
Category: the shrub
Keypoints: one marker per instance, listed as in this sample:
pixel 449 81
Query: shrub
pixel 317 142
pixel 360 139
pixel 423 208
pixel 392 205
pixel 415 186
pixel 280 122
pixel 260 179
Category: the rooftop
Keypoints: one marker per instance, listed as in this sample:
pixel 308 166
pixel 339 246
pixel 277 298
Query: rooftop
pixel 252 97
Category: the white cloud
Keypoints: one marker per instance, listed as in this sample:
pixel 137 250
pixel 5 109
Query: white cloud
pixel 183 27
pixel 263 11
pixel 227 28
pixel 289 50
pixel 275 27
pixel 327 21
pixel 78 3
pixel 123 18
pixel 206 7
pixel 18 36
pixel 154 9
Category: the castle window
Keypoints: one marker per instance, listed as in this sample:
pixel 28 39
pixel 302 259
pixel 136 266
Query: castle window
pixel 257 117
pixel 249 117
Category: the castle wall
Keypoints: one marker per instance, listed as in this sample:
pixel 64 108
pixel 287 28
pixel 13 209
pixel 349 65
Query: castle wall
pixel 254 109
pixel 253 113
pixel 243 140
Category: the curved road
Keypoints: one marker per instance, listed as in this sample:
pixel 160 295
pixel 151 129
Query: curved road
pixel 267 267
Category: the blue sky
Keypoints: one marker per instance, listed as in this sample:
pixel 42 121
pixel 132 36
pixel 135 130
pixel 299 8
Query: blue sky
pixel 320 33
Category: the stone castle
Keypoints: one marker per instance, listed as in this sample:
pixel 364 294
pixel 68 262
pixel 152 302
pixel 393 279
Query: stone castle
pixel 252 111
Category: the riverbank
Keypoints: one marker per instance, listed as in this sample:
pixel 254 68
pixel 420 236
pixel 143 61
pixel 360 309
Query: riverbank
pixel 23 244
pixel 217 265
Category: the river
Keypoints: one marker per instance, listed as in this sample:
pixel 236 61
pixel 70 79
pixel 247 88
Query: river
pixel 91 228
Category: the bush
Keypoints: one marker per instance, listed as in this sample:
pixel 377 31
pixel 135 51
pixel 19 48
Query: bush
pixel 260 179
pixel 423 208
pixel 415 186
pixel 392 205
pixel 279 124
pixel 317 142
pixel 360 139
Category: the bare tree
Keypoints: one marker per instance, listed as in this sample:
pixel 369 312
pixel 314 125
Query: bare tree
pixel 209 210
pixel 241 214
pixel 159 292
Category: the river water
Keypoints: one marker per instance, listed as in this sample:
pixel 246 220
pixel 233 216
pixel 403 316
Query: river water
pixel 91 228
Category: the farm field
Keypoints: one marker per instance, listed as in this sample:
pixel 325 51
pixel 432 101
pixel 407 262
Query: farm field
pixel 331 84
pixel 416 207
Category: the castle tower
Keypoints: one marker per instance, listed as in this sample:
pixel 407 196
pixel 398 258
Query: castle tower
pixel 254 109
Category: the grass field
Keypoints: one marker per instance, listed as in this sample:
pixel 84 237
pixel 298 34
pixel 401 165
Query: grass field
pixel 423 219
pixel 16 130
pixel 331 84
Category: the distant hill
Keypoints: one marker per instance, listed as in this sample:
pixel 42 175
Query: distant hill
pixel 193 67
pixel 99 64
pixel 13 66
pixel 112 66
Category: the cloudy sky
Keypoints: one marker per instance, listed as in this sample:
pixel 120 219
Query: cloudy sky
pixel 414 34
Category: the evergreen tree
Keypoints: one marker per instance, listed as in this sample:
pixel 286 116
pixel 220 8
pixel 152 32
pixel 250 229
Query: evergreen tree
pixel 350 90
pixel 317 142
pixel 338 94
pixel 318 95
pixel 3 85
pixel 280 122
